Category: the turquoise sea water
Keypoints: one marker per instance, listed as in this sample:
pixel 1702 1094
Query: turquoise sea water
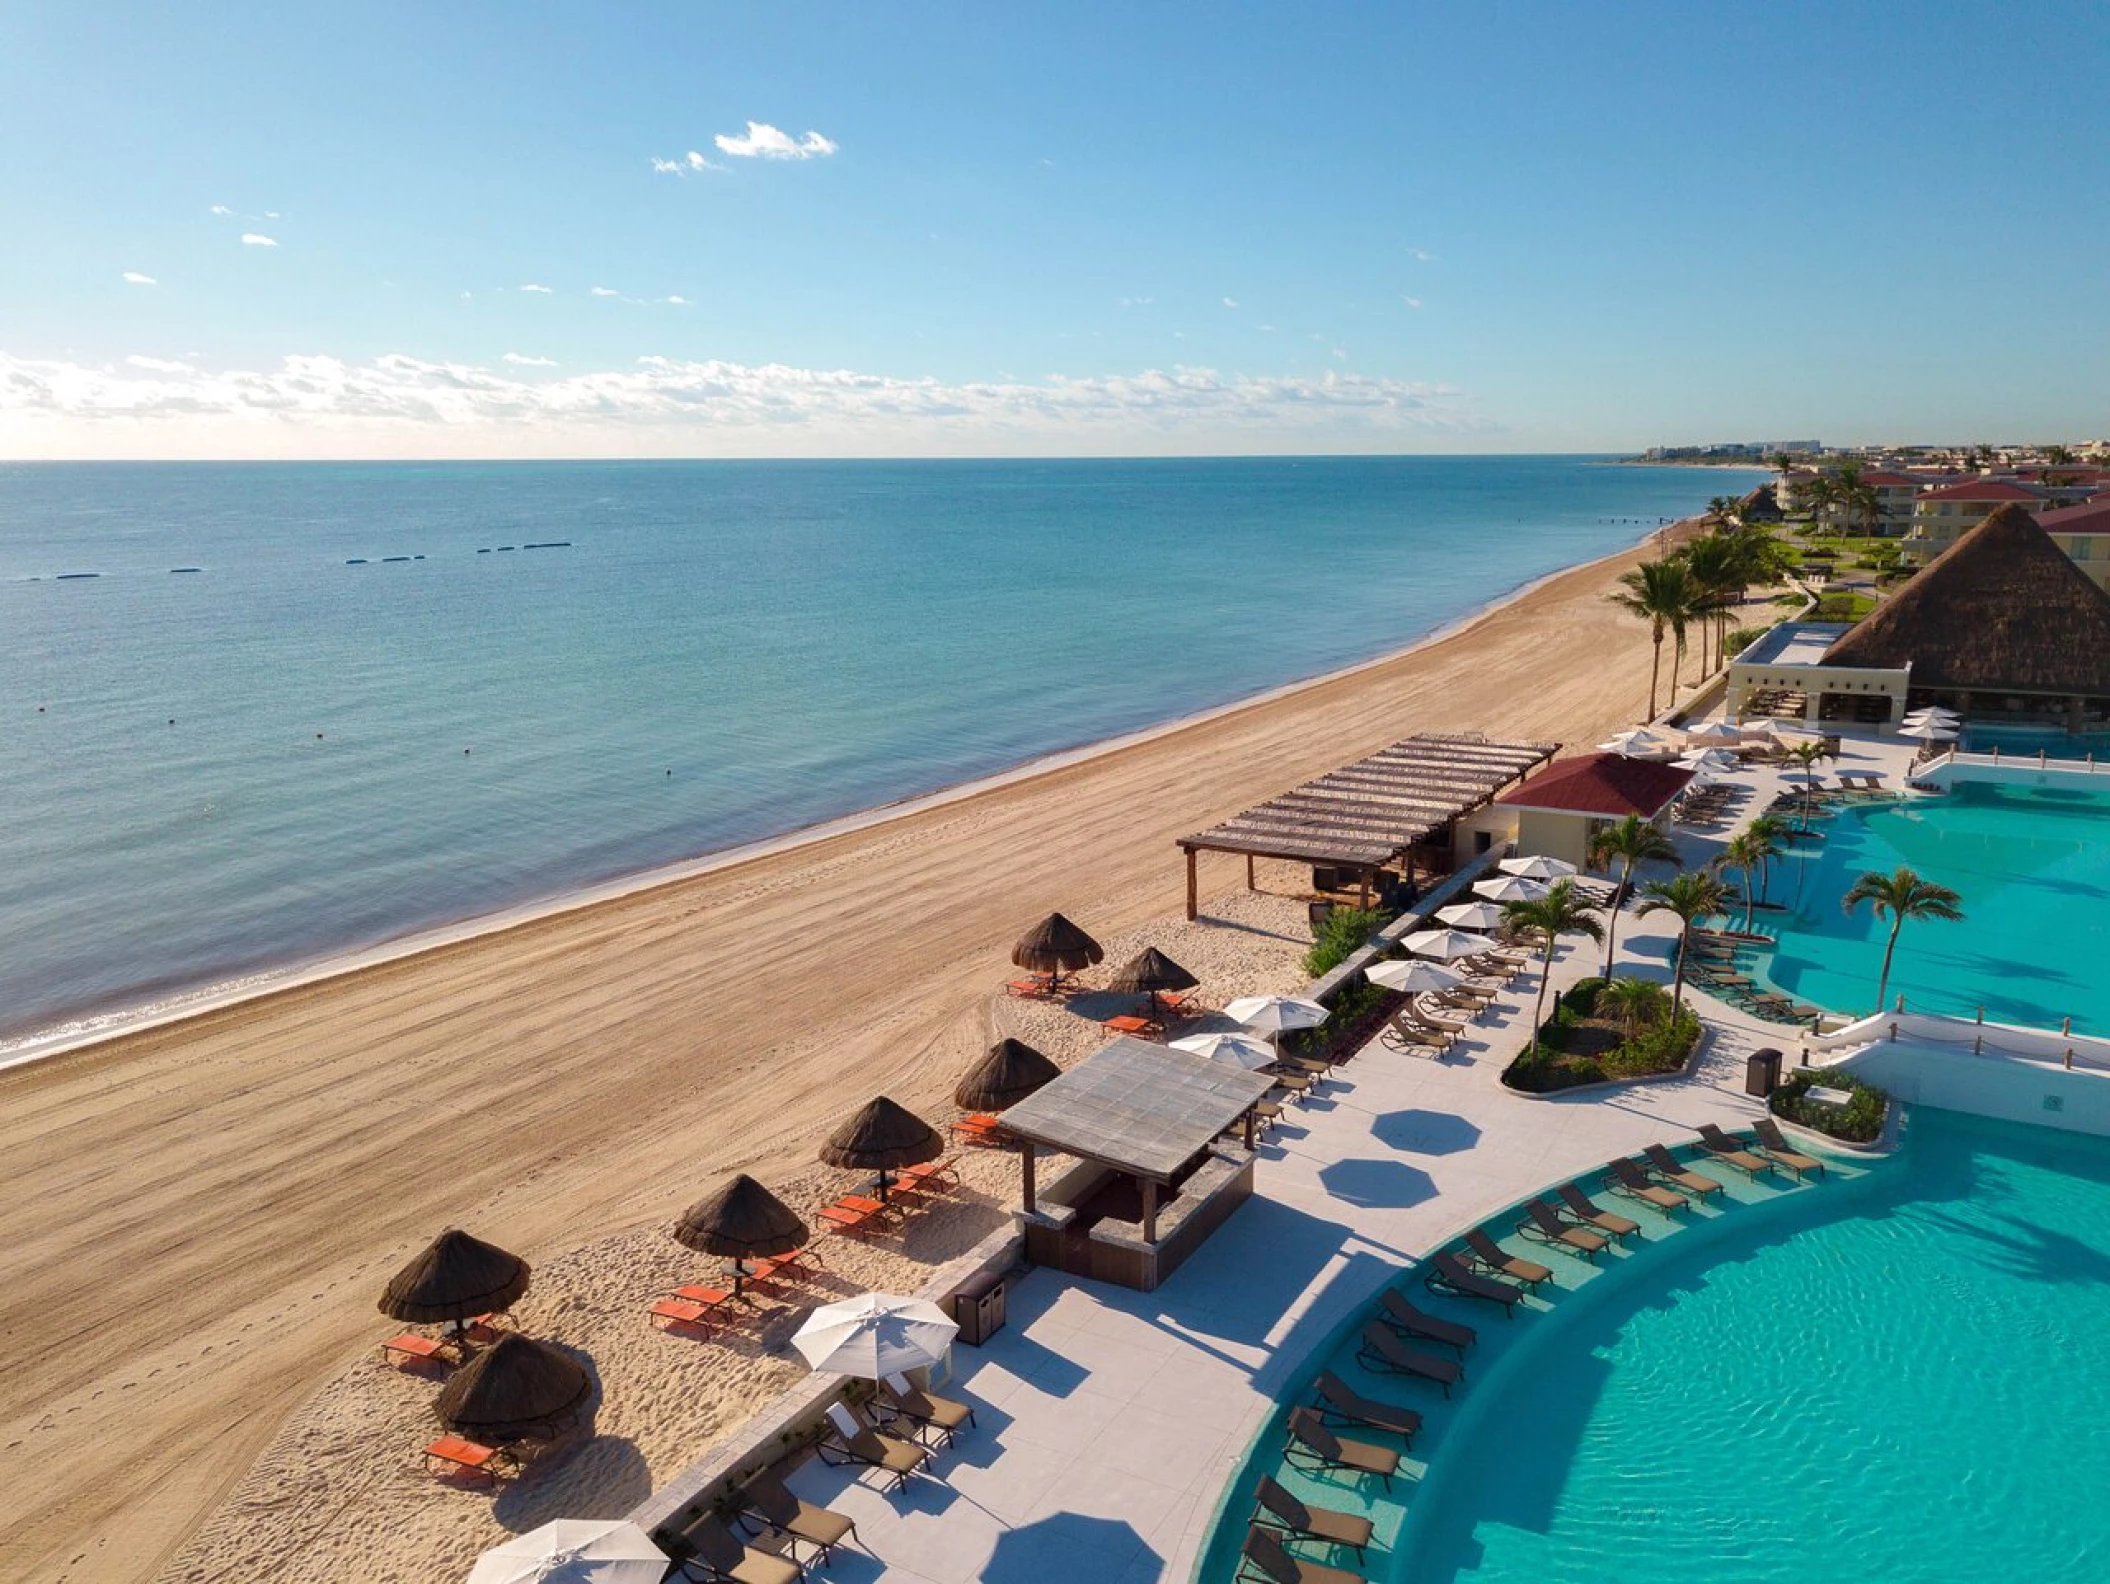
pixel 1899 1379
pixel 2032 866
pixel 214 772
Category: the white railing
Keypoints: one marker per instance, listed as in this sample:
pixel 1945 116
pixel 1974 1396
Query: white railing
pixel 1964 1036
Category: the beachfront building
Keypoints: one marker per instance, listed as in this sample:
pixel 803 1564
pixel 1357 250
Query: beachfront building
pixel 2002 624
pixel 1942 516
pixel 1559 811
pixel 2083 532
pixel 1788 671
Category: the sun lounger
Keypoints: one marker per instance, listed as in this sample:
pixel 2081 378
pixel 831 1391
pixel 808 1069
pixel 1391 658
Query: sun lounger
pixel 911 1402
pixel 1276 1508
pixel 979 1129
pixel 1404 1318
pixel 456 1454
pixel 1542 1221
pixel 688 1313
pixel 706 1549
pixel 1337 1400
pixel 410 1348
pixel 938 1176
pixel 1266 1559
pixel 1667 1166
pixel 798 1265
pixel 765 1498
pixel 1624 1177
pixel 855 1216
pixel 1383 1353
pixel 1312 1445
pixel 1578 1204
pixel 1724 1148
pixel 1496 1260
pixel 1775 1144
pixel 1448 1273
pixel 1418 1010
pixel 854 1441
pixel 1404 1034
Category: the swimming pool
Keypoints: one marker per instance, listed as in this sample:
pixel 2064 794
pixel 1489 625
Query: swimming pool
pixel 1894 1373
pixel 2032 865
pixel 2028 741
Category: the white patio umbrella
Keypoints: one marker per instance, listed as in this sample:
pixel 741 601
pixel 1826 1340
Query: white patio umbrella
pixel 875 1334
pixel 1714 731
pixel 1633 743
pixel 1947 722
pixel 574 1551
pixel 1930 732
pixel 1471 915
pixel 1413 975
pixel 1273 1014
pixel 1706 759
pixel 1538 867
pixel 1511 888
pixel 1241 1049
pixel 1445 945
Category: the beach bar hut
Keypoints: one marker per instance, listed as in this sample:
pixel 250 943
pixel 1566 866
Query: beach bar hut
pixel 1394 811
pixel 1559 813
pixel 455 1279
pixel 517 1389
pixel 883 1137
pixel 1154 1173
pixel 741 1221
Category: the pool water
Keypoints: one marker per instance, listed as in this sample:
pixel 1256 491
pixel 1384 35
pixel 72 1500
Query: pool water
pixel 1897 1377
pixel 2053 741
pixel 2032 865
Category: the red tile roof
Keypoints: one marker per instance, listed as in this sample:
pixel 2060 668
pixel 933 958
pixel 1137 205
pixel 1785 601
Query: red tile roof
pixel 2092 516
pixel 1606 784
pixel 1890 480
pixel 1985 490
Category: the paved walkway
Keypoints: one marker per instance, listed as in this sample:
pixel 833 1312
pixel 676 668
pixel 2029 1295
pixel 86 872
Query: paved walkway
pixel 1110 1421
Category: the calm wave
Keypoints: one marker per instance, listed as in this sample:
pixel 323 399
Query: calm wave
pixel 540 675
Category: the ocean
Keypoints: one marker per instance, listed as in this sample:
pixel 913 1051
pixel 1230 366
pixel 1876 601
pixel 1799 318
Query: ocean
pixel 254 715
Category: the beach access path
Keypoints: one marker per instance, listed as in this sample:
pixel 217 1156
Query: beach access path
pixel 202 1214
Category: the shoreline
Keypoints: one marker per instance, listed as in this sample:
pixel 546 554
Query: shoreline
pixel 86 1030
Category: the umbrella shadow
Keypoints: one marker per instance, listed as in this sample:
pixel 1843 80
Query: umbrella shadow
pixel 1064 1545
pixel 610 1466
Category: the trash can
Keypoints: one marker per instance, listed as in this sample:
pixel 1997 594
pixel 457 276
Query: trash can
pixel 978 1308
pixel 1762 1072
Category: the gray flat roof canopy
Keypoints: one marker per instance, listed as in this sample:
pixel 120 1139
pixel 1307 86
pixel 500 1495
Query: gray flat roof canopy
pixel 1141 1108
pixel 1365 815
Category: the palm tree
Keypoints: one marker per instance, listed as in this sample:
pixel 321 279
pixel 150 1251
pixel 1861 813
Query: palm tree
pixel 1806 754
pixel 1769 839
pixel 2059 456
pixel 1693 896
pixel 1633 841
pixel 1563 910
pixel 1746 854
pixel 1900 896
pixel 1633 1001
pixel 1661 593
pixel 1711 563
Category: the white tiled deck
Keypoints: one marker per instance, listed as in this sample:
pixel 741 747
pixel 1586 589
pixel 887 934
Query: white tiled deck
pixel 1110 1421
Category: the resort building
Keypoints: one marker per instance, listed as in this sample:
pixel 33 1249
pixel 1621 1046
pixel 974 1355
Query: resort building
pixel 1941 516
pixel 1788 671
pixel 2083 532
pixel 1559 811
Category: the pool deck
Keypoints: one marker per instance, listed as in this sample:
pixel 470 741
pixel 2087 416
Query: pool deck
pixel 1109 1421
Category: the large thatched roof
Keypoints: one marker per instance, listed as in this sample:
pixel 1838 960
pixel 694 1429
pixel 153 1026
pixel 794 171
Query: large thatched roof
pixel 1010 1071
pixel 742 1220
pixel 457 1277
pixel 2000 610
pixel 515 1389
pixel 881 1137
pixel 1055 945
pixel 1151 970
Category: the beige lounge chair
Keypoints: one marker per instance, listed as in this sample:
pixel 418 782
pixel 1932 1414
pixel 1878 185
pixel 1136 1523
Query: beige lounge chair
pixel 708 1550
pixel 1448 1273
pixel 911 1402
pixel 1337 1400
pixel 1417 1010
pixel 1775 1144
pixel 1578 1204
pixel 1276 1508
pixel 1498 1261
pixel 1673 1171
pixel 854 1441
pixel 1622 1176
pixel 1382 1353
pixel 1542 1221
pixel 766 1499
pixel 1404 1034
pixel 1724 1148
pixel 1268 1558
pixel 1312 1445
pixel 1404 1318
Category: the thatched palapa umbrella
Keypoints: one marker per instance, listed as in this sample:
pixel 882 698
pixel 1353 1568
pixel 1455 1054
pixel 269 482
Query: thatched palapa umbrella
pixel 517 1389
pixel 881 1138
pixel 456 1279
pixel 741 1221
pixel 1055 947
pixel 1150 972
pixel 1010 1071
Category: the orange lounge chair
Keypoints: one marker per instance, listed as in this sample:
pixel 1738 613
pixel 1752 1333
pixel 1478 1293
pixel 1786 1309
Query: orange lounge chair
pixel 979 1129
pixel 938 1176
pixel 410 1348
pixel 450 1453
pixel 690 1312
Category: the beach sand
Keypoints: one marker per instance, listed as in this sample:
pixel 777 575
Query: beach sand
pixel 205 1212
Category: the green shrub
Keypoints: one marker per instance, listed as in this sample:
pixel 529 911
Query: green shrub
pixel 1552 1064
pixel 1743 638
pixel 1344 933
pixel 1354 1017
pixel 1859 1121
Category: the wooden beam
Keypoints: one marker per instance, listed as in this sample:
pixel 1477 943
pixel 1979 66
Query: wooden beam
pixel 1150 1209
pixel 1025 1169
pixel 1193 899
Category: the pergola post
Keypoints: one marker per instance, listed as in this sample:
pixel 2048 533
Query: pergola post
pixel 1250 886
pixel 1150 1209
pixel 1249 1142
pixel 1362 891
pixel 1193 901
pixel 1025 1171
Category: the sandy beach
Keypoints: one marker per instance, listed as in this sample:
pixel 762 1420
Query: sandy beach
pixel 206 1210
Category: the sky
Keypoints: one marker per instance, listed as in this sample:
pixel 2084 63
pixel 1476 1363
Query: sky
pixel 709 229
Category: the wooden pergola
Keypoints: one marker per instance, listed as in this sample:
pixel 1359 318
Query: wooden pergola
pixel 1369 815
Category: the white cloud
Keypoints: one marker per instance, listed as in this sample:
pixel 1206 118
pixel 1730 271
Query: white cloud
pixel 1137 302
pixel 524 361
pixel 158 365
pixel 763 141
pixel 257 239
pixel 602 291
pixel 1411 302
pixel 313 404
pixel 222 210
pixel 1230 302
pixel 134 278
pixel 679 302
pixel 1265 329
pixel 532 287
pixel 1423 254
pixel 689 164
